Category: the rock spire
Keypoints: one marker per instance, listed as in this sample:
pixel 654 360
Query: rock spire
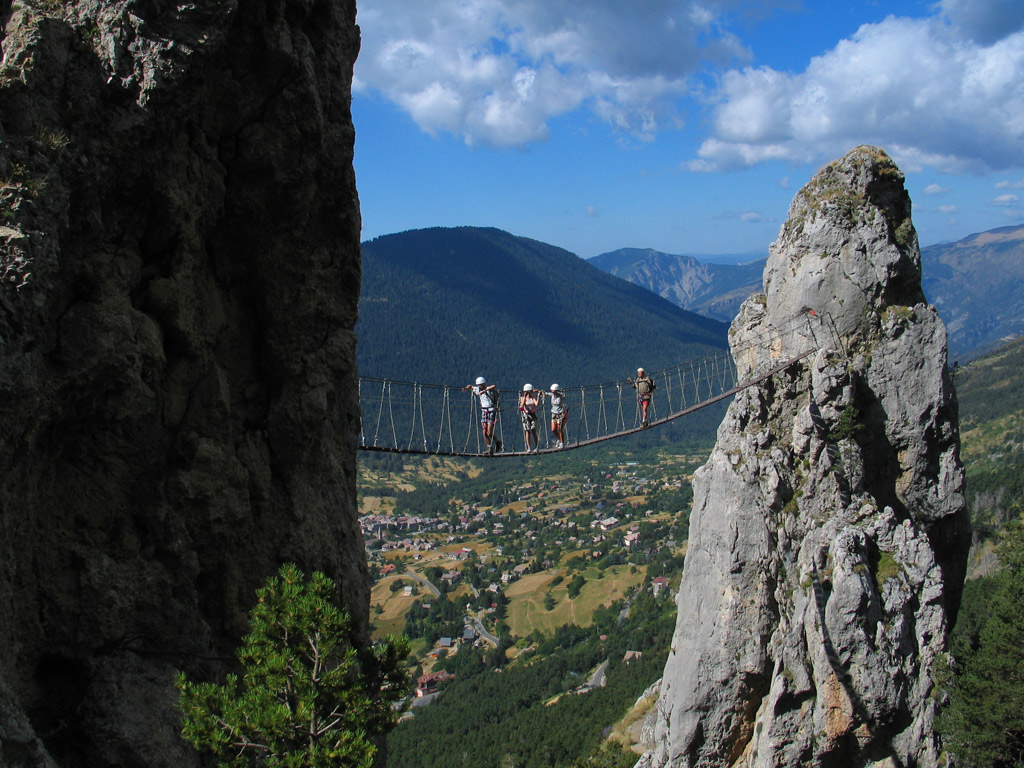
pixel 829 536
pixel 179 253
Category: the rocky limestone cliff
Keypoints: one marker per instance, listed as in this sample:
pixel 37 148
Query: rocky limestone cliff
pixel 179 277
pixel 828 538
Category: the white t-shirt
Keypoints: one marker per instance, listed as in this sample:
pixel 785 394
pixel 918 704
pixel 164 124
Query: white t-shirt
pixel 486 398
pixel 557 402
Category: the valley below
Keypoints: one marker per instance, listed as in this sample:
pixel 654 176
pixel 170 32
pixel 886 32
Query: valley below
pixel 504 565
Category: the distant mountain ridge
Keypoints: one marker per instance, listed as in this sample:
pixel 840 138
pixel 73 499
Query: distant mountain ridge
pixel 977 284
pixel 445 305
pixel 712 290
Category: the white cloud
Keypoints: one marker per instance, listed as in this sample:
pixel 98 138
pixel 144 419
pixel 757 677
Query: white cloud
pixel 947 209
pixel 912 86
pixel 1010 185
pixel 1005 200
pixel 497 71
pixel 746 217
pixel 946 92
pixel 935 189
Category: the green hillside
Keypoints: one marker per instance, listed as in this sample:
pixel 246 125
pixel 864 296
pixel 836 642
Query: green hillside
pixel 991 395
pixel 443 306
pixel 982 722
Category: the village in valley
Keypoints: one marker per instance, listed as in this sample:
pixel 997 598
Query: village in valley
pixel 486 556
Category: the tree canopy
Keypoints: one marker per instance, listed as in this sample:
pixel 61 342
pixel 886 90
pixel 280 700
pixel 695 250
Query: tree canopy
pixel 309 697
pixel 983 723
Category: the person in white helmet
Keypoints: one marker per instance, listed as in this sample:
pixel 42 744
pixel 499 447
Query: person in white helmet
pixel 559 414
pixel 644 386
pixel 488 395
pixel 529 402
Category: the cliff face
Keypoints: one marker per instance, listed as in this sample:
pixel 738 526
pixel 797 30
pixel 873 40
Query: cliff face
pixel 179 277
pixel 828 538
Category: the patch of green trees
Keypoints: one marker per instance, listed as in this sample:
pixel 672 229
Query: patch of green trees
pixel 983 722
pixel 490 719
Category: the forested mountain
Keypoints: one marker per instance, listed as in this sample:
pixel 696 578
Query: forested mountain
pixel 447 305
pixel 977 284
pixel 712 290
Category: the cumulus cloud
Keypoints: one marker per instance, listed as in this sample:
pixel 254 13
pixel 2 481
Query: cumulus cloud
pixel 1006 200
pixel 1010 184
pixel 935 189
pixel 924 89
pixel 945 91
pixel 496 72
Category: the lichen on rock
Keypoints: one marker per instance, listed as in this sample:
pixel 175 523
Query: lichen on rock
pixel 828 537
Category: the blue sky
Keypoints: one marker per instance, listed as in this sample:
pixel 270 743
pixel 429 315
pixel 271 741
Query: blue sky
pixel 682 126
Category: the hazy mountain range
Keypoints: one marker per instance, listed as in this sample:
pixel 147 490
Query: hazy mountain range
pixel 976 283
pixel 712 290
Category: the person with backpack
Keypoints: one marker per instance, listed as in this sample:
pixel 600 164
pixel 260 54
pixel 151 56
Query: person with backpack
pixel 488 395
pixel 559 414
pixel 529 402
pixel 644 386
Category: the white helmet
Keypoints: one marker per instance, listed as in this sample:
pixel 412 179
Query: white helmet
pixel 555 387
pixel 527 387
pixel 639 370
pixel 480 380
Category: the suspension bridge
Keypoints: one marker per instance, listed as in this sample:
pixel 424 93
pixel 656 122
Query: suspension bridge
pixel 444 420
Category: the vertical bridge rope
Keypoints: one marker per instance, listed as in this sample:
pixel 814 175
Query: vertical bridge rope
pixel 402 407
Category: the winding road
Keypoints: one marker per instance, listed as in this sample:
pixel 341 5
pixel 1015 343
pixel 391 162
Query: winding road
pixel 477 619
pixel 434 590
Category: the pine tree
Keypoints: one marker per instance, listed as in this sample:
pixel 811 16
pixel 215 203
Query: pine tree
pixel 308 698
pixel 983 723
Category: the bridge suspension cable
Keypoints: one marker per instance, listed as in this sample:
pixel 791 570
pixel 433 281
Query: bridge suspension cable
pixel 597 412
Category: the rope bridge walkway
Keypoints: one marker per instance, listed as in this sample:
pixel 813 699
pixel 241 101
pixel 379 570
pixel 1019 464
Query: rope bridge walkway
pixel 434 419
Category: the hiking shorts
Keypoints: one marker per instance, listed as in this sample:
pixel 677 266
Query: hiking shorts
pixel 643 398
pixel 488 416
pixel 529 420
pixel 559 419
